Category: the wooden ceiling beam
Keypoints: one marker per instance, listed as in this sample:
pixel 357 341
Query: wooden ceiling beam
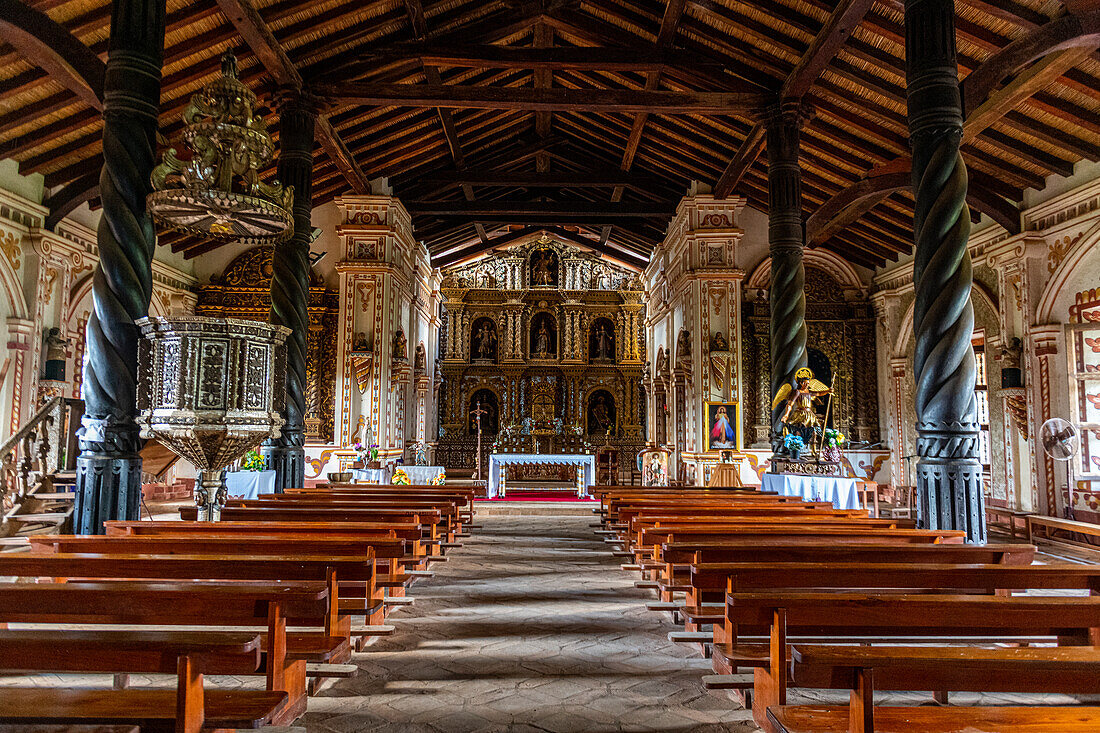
pixel 527 98
pixel 487 245
pixel 605 178
pixel 820 53
pixel 54 49
pixel 538 211
pixel 259 38
pixel 66 200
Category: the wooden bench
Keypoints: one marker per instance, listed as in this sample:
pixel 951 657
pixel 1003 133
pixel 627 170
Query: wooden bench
pixel 860 669
pixel 1051 527
pixel 1003 518
pixel 187 655
pixel 823 719
pixel 778 615
pixel 178 603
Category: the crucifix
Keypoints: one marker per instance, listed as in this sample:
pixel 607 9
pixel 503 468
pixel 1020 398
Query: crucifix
pixel 477 413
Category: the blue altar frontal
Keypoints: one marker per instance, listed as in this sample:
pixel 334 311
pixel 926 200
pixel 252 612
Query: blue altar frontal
pixel 586 463
pixel 841 492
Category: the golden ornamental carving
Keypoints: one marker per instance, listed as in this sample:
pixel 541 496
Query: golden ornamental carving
pixel 10 245
pixel 217 192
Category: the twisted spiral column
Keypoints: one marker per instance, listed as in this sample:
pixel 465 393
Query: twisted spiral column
pixel 948 470
pixel 108 481
pixel 786 292
pixel 290 284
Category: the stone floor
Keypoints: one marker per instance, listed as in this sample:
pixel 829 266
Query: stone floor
pixel 531 626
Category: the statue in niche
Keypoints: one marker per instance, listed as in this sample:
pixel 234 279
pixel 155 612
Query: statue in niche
pixel 1012 354
pixel 603 342
pixel 662 361
pixel 683 345
pixel 56 355
pixel 400 346
pixel 487 341
pixel 718 342
pixel 542 341
pixel 542 268
pixel 419 360
pixel 601 413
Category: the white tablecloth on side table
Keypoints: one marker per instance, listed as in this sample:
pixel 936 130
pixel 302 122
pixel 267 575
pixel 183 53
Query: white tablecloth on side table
pixel 421 475
pixel 840 491
pixel 249 484
pixel 370 475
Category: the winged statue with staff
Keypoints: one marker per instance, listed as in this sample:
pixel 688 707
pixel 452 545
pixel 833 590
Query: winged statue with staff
pixel 799 416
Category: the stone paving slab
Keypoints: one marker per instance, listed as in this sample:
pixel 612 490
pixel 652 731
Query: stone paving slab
pixel 531 626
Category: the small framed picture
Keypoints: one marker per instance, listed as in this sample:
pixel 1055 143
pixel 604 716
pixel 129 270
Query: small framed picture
pixel 723 426
pixel 725 456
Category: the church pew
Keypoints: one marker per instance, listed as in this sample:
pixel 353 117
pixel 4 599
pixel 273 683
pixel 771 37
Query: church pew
pixel 186 655
pixel 952 719
pixel 859 669
pixel 428 518
pixel 709 565
pixel 448 506
pixel 350 579
pixel 395 578
pixel 415 551
pixel 463 495
pixel 779 615
pixel 184 603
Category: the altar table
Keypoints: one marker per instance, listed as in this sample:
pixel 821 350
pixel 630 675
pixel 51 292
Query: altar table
pixel 249 484
pixel 840 491
pixel 586 462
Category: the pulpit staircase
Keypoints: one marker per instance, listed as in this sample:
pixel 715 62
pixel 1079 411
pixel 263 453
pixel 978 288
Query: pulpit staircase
pixel 37 485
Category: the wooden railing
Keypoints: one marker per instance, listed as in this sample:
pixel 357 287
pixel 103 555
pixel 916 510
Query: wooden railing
pixel 32 457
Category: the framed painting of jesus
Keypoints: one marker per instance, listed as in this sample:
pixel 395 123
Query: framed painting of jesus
pixel 723 426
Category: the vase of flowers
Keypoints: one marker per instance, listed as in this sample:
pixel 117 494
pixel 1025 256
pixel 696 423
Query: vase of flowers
pixel 253 461
pixel 794 445
pixel 832 441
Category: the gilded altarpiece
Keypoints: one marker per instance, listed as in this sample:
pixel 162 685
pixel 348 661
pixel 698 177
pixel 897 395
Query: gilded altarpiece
pixel 840 349
pixel 548 340
pixel 243 291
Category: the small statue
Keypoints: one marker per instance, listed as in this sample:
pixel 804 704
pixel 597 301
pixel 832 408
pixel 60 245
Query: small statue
pixel 542 341
pixel 449 281
pixel 683 345
pixel 419 360
pixel 486 341
pixel 543 275
pixel 603 343
pixel 601 417
pixel 719 343
pixel 1012 354
pixel 799 417
pixel 400 346
pixel 56 355
pixel 662 361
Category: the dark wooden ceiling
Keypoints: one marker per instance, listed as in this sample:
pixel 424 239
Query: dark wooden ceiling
pixel 494 118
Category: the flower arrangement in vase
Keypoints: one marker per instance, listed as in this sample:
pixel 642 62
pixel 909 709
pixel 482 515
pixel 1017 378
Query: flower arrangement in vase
pixel 794 445
pixel 253 461
pixel 831 442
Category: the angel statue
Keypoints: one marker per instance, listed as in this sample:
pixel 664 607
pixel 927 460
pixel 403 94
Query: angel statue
pixel 798 416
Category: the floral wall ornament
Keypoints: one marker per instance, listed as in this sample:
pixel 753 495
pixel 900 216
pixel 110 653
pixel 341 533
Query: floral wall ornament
pixel 217 193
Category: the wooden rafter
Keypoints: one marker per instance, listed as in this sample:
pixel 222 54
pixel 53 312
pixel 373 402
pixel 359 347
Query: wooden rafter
pixel 54 49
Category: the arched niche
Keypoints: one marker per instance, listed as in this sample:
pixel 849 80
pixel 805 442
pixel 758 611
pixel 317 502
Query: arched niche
pixel 484 341
pixel 544 336
pixel 601 341
pixel 600 412
pixel 484 399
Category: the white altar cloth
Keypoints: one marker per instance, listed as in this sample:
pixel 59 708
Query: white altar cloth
pixel 587 462
pixel 420 475
pixel 249 484
pixel 840 491
pixel 371 475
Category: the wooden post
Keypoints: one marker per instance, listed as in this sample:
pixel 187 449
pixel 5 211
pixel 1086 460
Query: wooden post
pixel 290 284
pixel 785 242
pixel 949 476
pixel 108 471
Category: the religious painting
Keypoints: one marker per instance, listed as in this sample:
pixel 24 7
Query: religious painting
pixel 483 340
pixel 723 431
pixel 485 402
pixel 544 268
pixel 544 337
pixel 601 412
pixel 654 465
pixel 601 341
